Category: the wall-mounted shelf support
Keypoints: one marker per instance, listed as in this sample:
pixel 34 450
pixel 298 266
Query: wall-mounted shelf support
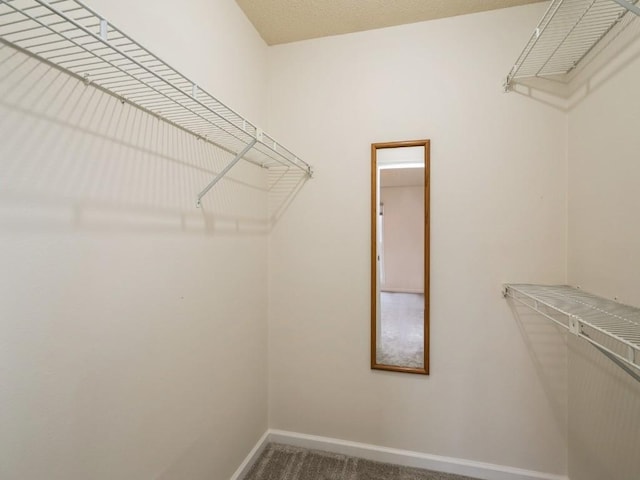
pixel 613 328
pixel 567 35
pixel 69 36
pixel 629 6
pixel 225 170
pixel 104 28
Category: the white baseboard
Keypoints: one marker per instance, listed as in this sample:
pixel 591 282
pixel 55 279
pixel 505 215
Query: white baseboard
pixel 250 459
pixel 485 471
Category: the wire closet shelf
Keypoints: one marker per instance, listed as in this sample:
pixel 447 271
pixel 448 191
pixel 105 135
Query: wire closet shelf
pixel 568 34
pixel 68 35
pixel 610 326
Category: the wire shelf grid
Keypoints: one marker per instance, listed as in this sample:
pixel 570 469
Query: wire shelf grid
pixel 73 38
pixel 567 34
pixel 609 325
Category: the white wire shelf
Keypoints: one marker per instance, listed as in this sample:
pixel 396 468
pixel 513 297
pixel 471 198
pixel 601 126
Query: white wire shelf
pixel 611 326
pixel 68 35
pixel 568 35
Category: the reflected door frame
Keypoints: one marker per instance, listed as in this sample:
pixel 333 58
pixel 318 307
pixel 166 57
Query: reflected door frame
pixel 375 272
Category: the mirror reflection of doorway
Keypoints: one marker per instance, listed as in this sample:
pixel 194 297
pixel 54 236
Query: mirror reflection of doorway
pixel 400 259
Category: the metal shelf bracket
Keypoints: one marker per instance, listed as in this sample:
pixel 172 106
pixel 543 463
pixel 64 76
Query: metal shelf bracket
pixel 629 6
pixel 224 171
pixel 104 30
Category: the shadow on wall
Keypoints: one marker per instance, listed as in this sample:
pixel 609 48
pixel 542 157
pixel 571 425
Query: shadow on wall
pixel 597 401
pixel 75 157
pixel 604 421
pixel 547 346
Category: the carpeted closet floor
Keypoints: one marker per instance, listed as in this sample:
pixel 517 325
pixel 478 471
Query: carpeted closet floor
pixel 283 462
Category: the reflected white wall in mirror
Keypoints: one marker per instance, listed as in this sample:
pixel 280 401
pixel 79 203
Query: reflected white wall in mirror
pixel 399 245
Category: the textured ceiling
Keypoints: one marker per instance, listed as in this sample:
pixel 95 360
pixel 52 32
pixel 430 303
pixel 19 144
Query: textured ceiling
pixel 283 21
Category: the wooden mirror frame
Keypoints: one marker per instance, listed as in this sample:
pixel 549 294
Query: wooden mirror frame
pixel 374 253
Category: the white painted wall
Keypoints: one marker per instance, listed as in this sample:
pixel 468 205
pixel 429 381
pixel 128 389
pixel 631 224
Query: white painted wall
pixel 133 327
pixel 498 199
pixel 604 233
pixel 133 336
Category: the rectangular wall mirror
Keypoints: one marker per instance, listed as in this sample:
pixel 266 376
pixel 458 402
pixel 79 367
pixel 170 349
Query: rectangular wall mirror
pixel 400 256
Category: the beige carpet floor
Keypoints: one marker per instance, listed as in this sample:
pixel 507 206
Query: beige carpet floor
pixel 283 462
pixel 402 330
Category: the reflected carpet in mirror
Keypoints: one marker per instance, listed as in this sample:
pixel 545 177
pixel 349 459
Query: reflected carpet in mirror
pixel 402 334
